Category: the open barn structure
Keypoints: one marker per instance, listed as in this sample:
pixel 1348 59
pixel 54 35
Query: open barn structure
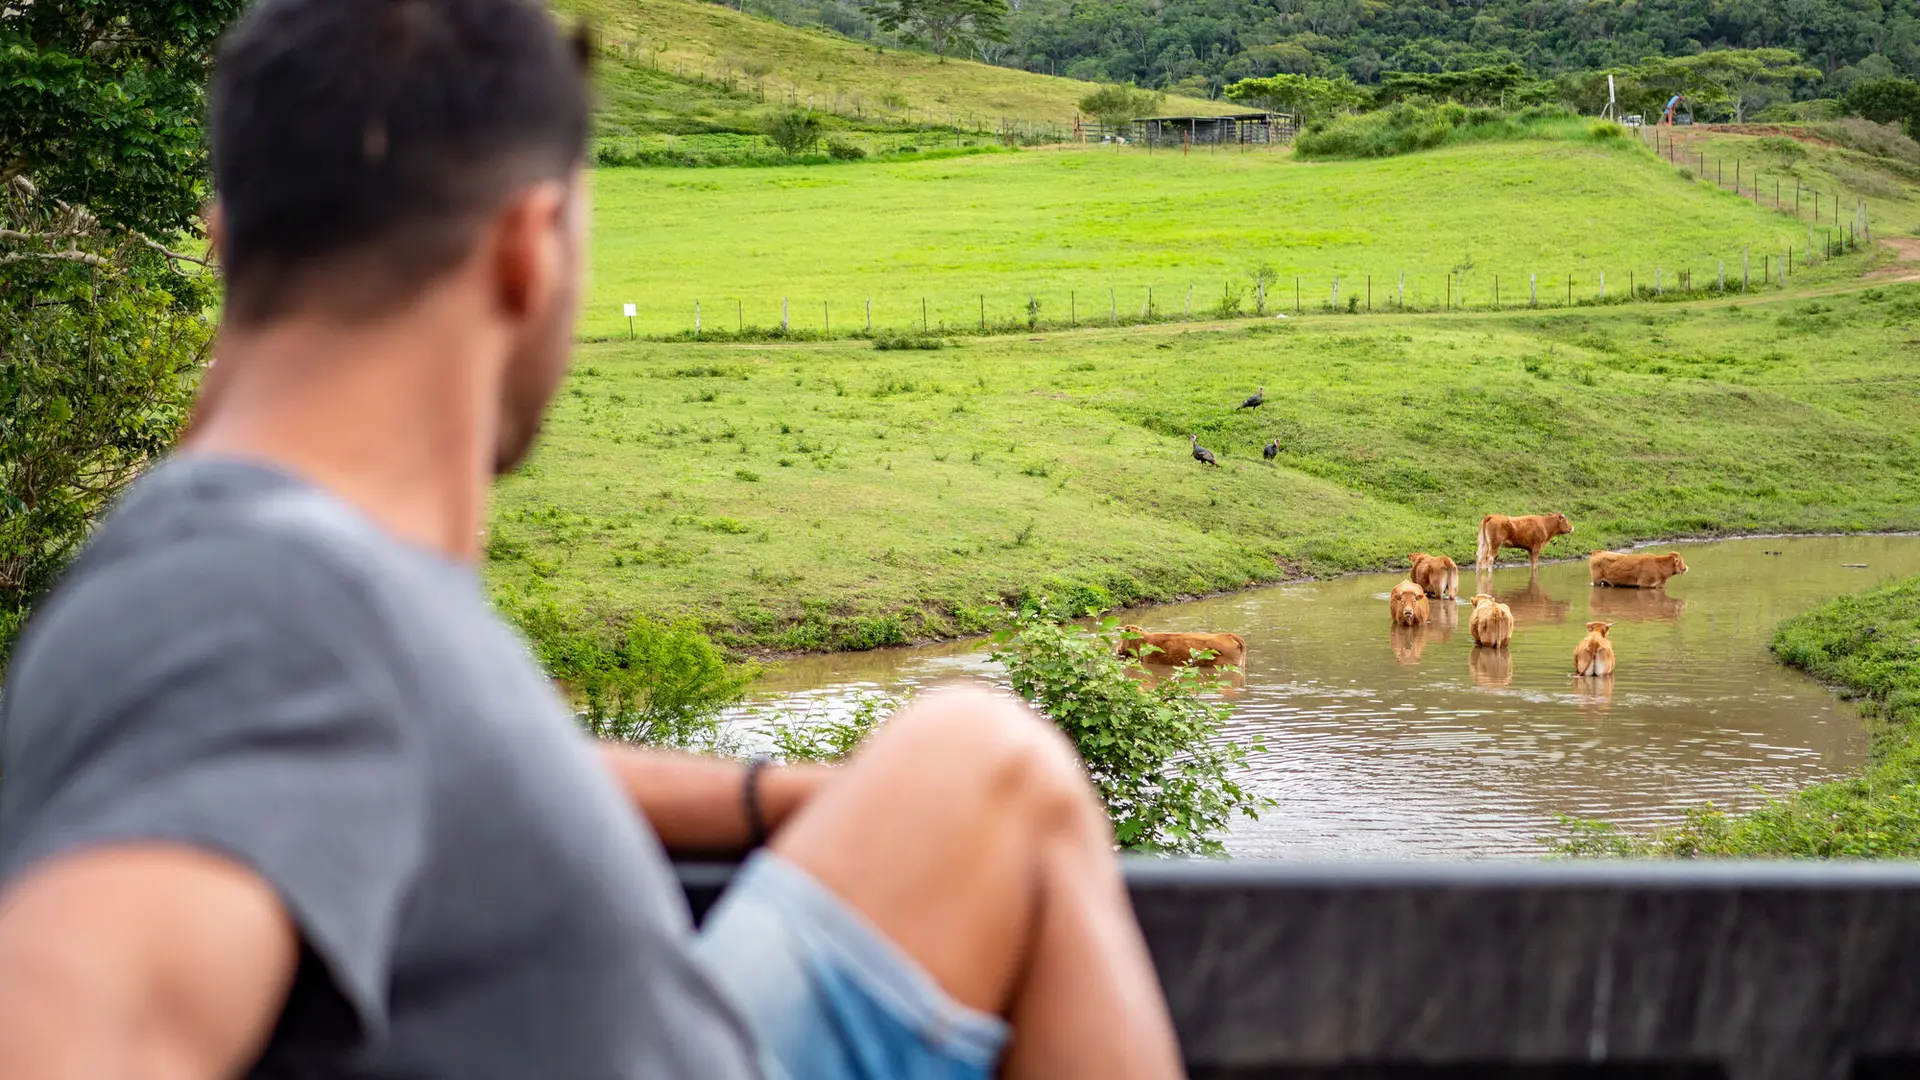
pixel 1234 129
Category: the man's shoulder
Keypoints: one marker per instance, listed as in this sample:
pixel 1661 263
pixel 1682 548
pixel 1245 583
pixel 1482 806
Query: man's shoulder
pixel 207 572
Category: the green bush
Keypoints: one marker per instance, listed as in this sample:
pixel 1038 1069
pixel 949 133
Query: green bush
pixel 1868 647
pixel 844 151
pixel 1153 749
pixel 794 131
pixel 653 682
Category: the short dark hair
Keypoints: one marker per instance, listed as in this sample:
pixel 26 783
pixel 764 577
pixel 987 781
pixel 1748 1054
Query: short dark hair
pixel 358 144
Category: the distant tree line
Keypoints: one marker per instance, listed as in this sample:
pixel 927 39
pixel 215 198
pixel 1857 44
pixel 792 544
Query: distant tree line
pixel 1201 47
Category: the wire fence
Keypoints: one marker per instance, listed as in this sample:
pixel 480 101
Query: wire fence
pixel 1750 180
pixel 1276 296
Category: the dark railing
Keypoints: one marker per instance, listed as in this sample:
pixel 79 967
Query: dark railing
pixel 1747 971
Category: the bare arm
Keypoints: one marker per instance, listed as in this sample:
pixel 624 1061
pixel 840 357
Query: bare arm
pixel 695 803
pixel 146 960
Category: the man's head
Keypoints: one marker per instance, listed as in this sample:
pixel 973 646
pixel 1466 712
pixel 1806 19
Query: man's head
pixel 367 152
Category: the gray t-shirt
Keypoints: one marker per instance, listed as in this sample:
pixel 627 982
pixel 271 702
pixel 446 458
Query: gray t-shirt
pixel 247 665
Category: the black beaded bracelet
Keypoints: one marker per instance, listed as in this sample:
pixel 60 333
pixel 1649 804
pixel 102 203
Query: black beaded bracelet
pixel 750 798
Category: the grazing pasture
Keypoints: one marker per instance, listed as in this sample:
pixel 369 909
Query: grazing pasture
pixel 1081 234
pixel 817 496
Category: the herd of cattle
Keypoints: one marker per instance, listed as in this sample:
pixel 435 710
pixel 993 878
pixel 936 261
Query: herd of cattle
pixel 1437 577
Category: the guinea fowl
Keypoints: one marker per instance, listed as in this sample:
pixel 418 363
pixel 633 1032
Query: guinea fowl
pixel 1272 450
pixel 1201 454
pixel 1258 399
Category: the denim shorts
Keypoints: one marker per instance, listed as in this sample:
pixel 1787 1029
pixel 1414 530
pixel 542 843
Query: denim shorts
pixel 827 995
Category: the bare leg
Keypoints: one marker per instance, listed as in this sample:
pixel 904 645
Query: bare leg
pixel 966 831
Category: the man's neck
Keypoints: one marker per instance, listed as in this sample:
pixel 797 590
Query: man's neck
pixel 397 417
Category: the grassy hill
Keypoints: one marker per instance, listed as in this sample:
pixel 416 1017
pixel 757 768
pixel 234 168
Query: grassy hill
pixel 670 61
pixel 834 496
pixel 1090 230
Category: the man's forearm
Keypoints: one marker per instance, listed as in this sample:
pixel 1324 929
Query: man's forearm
pixel 698 803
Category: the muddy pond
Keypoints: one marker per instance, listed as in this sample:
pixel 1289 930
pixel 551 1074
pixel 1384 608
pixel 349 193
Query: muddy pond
pixel 1395 744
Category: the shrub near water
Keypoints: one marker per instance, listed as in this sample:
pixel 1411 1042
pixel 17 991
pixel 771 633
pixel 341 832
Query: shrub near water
pixel 652 682
pixel 1868 647
pixel 1151 748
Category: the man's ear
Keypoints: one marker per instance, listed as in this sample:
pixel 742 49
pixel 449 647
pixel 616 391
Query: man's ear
pixel 528 250
pixel 217 232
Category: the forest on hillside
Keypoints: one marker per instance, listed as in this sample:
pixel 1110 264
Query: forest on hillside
pixel 1198 47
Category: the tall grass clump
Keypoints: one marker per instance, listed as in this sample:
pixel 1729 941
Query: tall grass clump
pixel 1151 746
pixel 1879 140
pixel 1868 648
pixel 1409 126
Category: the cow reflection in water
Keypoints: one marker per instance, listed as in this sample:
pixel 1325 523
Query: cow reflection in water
pixel 1595 691
pixel 1530 603
pixel 1409 642
pixel 1635 605
pixel 1491 667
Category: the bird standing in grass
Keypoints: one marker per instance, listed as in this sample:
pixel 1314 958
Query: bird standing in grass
pixel 1201 454
pixel 1258 399
pixel 1271 451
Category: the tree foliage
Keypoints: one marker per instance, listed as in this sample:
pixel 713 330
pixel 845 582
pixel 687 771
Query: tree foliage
pixel 102 332
pixel 1887 100
pixel 1306 97
pixel 1738 78
pixel 1118 105
pixel 943 24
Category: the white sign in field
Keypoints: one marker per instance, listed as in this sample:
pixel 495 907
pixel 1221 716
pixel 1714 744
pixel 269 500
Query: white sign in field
pixel 632 310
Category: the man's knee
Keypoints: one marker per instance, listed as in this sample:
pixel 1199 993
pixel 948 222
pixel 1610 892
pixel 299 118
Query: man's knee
pixel 993 740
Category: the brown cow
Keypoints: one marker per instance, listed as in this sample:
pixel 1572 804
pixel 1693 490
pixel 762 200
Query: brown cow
pixel 1492 622
pixel 1530 534
pixel 1408 603
pixel 1594 654
pixel 1634 571
pixel 1438 575
pixel 1180 648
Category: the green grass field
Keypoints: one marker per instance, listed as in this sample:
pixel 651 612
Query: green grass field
pixel 1086 232
pixel 659 40
pixel 832 495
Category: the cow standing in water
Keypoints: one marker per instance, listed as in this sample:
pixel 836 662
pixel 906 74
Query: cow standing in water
pixel 1634 571
pixel 1438 575
pixel 1492 622
pixel 1594 654
pixel 1530 534
pixel 1408 604
pixel 1198 649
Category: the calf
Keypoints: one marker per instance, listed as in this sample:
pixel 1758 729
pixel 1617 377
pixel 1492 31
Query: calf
pixel 1181 648
pixel 1408 603
pixel 1492 622
pixel 1530 533
pixel 1634 571
pixel 1594 654
pixel 1437 575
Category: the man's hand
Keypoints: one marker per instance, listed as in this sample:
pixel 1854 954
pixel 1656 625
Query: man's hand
pixel 146 960
pixel 696 804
